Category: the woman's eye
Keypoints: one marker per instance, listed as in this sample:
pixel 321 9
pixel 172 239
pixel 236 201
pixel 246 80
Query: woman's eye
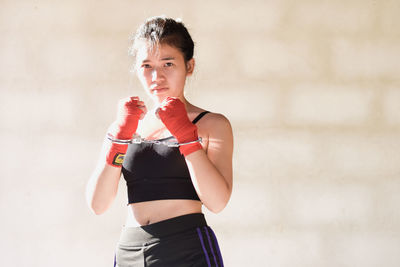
pixel 146 66
pixel 169 64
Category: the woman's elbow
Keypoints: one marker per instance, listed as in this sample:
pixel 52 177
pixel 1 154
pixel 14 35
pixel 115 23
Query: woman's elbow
pixel 218 206
pixel 216 210
pixel 96 206
pixel 97 209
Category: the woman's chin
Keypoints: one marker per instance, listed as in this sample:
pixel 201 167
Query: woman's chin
pixel 158 98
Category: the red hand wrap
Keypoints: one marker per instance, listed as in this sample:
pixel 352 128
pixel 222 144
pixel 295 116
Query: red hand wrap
pixel 116 155
pixel 123 128
pixel 173 114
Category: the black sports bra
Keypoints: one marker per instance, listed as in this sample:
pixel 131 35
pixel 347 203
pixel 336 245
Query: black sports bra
pixel 156 171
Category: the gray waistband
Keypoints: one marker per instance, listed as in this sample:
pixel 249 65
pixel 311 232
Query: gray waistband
pixel 156 231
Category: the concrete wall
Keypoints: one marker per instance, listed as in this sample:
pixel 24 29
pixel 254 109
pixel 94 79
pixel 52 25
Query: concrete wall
pixel 312 89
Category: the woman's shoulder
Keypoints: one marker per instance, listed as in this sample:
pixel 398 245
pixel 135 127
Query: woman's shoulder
pixel 214 123
pixel 215 118
pixel 211 121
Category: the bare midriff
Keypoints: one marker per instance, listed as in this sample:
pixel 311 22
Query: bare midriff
pixel 149 212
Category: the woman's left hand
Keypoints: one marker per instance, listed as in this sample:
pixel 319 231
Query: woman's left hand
pixel 172 113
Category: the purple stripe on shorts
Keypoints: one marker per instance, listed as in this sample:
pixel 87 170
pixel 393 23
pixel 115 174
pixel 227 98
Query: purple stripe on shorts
pixel 209 242
pixel 217 247
pixel 204 248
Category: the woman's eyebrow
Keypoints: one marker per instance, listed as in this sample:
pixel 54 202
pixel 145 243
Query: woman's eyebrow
pixel 168 58
pixel 164 59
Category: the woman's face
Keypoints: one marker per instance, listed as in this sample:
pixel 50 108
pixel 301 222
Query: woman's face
pixel 162 71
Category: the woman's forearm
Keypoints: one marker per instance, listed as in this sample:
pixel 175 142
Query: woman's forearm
pixel 103 184
pixel 213 188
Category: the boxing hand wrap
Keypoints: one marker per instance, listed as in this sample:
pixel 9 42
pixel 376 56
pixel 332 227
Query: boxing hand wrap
pixel 172 113
pixel 116 154
pixel 123 128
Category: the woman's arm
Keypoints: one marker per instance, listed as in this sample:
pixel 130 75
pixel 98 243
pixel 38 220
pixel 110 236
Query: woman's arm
pixel 211 171
pixel 103 184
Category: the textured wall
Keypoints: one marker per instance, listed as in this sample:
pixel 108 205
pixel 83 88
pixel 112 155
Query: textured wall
pixel 311 87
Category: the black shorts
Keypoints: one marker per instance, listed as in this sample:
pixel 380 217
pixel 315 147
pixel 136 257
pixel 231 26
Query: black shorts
pixel 178 242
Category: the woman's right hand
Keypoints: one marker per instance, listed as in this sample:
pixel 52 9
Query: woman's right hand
pixel 130 111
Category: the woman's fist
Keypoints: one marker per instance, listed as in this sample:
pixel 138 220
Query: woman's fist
pixel 130 111
pixel 172 113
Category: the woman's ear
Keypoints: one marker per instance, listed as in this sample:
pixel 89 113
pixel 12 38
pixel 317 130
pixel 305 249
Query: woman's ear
pixel 190 67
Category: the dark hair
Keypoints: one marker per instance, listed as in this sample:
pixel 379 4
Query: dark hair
pixel 162 30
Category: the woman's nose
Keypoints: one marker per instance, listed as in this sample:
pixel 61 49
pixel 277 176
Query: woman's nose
pixel 157 74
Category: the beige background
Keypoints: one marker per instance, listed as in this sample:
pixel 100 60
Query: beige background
pixel 312 89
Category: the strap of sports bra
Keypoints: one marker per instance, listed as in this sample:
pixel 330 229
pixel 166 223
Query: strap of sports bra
pixel 200 116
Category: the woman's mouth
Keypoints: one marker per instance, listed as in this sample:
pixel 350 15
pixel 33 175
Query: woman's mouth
pixel 159 90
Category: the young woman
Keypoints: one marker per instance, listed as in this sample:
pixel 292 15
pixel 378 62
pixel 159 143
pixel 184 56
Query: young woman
pixel 174 168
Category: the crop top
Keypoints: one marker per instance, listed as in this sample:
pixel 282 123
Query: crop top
pixel 156 171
